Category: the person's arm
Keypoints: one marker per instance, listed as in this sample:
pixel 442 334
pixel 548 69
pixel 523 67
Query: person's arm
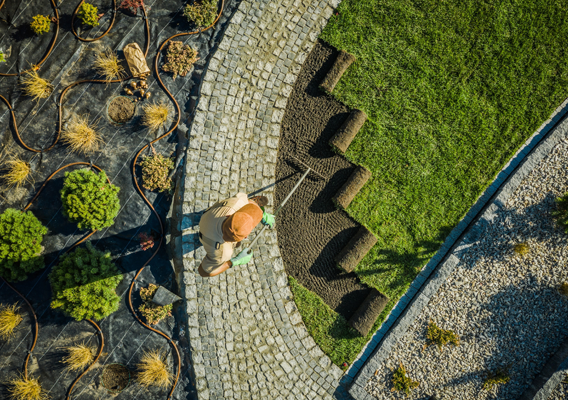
pixel 225 266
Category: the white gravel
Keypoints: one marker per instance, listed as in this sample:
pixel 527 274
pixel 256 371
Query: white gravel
pixel 560 392
pixel 505 308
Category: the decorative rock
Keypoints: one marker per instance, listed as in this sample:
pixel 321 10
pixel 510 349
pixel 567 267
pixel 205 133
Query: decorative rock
pixel 343 61
pixel 368 312
pixel 345 135
pixel 356 249
pixel 350 189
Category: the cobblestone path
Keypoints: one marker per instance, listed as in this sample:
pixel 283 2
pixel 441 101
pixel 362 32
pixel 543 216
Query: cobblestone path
pixel 246 337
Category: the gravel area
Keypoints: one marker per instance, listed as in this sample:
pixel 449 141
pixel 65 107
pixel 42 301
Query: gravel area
pixel 560 392
pixel 505 307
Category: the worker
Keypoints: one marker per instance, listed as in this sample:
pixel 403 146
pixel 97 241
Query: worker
pixel 222 228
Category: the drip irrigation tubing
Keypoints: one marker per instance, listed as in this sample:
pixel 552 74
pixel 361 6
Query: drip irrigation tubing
pixel 104 33
pixel 37 66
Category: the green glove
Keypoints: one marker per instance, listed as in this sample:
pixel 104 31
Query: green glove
pixel 242 258
pixel 268 219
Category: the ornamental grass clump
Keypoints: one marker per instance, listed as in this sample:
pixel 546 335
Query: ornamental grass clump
pixel 401 382
pixel 501 376
pixel 21 234
pixel 155 115
pixel 29 388
pixel 152 371
pixel 84 283
pixel 153 312
pixel 41 24
pixel 89 200
pixel 81 136
pixel 106 64
pixel 88 14
pixel 522 249
pixel 439 336
pixel 202 13
pixel 10 318
pixel 78 357
pixel 155 170
pixel 18 172
pixel 561 212
pixel 34 86
pixel 179 58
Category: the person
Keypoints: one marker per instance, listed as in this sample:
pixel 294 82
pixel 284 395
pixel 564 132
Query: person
pixel 222 228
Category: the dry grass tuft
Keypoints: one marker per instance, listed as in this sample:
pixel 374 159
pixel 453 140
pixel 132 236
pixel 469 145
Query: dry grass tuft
pixel 81 136
pixel 79 357
pixel 26 389
pixel 106 64
pixel 34 86
pixel 155 115
pixel 153 371
pixel 10 318
pixel 18 172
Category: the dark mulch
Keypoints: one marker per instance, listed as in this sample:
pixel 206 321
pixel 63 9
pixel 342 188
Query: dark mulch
pixel 311 230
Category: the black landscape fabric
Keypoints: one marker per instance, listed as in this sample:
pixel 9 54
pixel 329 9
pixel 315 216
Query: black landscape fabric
pixel 125 339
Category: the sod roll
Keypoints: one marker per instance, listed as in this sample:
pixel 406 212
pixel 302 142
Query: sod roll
pixel 368 312
pixel 342 62
pixel 356 249
pixel 350 189
pixel 344 136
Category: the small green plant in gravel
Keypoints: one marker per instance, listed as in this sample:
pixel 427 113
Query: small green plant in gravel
pixel 89 200
pixel 179 58
pixel 440 337
pixel 88 14
pixel 501 376
pixel 401 382
pixel 153 312
pixel 561 212
pixel 155 170
pixel 202 13
pixel 84 283
pixel 41 24
pixel 522 249
pixel 21 234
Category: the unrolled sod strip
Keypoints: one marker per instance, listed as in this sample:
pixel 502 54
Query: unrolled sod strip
pixel 368 312
pixel 353 185
pixel 342 62
pixel 356 249
pixel 344 136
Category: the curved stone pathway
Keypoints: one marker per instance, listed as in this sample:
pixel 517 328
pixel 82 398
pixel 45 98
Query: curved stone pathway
pixel 246 337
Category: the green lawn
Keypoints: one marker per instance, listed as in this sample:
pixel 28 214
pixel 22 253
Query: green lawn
pixel 452 89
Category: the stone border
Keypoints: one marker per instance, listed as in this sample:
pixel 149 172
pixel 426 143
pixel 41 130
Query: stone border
pixel 462 236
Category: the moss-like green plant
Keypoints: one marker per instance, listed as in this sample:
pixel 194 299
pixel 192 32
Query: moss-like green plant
pixel 2 58
pixel 561 212
pixel 155 170
pixel 21 235
pixel 41 24
pixel 202 13
pixel 84 283
pixel 89 200
pixel 439 336
pixel 521 249
pixel 179 58
pixel 401 382
pixel 153 312
pixel 88 14
pixel 501 376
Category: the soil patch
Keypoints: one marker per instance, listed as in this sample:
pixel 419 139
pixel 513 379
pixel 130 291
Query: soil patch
pixel 311 230
pixel 115 377
pixel 121 109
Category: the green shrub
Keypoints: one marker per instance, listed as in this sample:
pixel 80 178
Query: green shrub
pixel 202 13
pixel 179 58
pixel 89 200
pixel 401 382
pixel 501 376
pixel 153 312
pixel 84 283
pixel 88 14
pixel 561 212
pixel 2 59
pixel 41 24
pixel 155 170
pixel 521 249
pixel 440 337
pixel 21 234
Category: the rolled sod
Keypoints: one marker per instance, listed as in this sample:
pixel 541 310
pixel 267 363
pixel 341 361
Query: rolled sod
pixel 368 312
pixel 344 135
pixel 356 249
pixel 342 62
pixel 350 189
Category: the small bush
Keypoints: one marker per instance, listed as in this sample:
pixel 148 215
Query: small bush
pixel 202 13
pixel 155 115
pixel 18 172
pixel 440 337
pixel 106 64
pixel 131 5
pixel 179 58
pixel 34 86
pixel 563 289
pixel 78 357
pixel 152 371
pixel 10 318
pixel 146 241
pixel 561 212
pixel 84 283
pixel 89 200
pixel 155 170
pixel 81 136
pixel 2 58
pixel 41 24
pixel 501 376
pixel 401 382
pixel 522 249
pixel 88 14
pixel 153 312
pixel 21 235
pixel 23 388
